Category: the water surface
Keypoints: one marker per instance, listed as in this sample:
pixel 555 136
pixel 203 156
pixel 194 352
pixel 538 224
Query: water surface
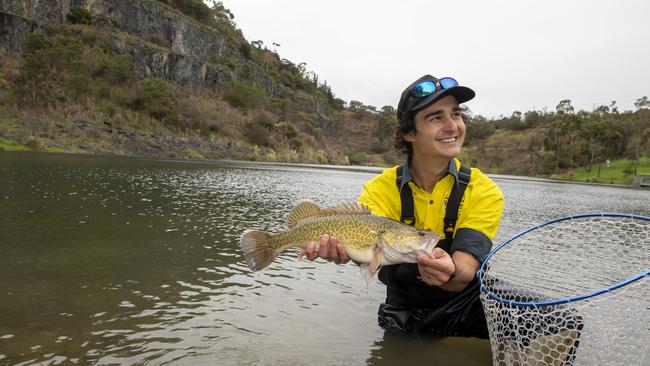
pixel 120 261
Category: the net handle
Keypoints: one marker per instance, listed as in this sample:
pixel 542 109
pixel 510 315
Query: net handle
pixel 613 287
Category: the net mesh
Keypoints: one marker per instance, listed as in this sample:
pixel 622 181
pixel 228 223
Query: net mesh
pixel 543 297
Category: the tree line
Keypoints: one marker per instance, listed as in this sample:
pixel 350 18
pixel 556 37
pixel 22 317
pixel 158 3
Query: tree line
pixel 565 139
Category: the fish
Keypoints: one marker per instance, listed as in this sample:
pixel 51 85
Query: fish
pixel 370 240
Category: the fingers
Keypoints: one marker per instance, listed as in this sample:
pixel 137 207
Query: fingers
pixel 436 270
pixel 311 251
pixel 333 249
pixel 343 254
pixel 438 253
pixel 327 248
pixel 324 248
pixel 433 277
pixel 441 263
pixel 425 260
pixel 337 252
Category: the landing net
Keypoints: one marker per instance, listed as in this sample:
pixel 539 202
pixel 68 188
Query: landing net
pixel 572 291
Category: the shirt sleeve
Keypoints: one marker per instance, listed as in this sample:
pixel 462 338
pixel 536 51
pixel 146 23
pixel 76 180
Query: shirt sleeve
pixel 472 242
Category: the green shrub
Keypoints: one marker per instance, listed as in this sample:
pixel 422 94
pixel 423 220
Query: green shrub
pixel 79 16
pixel 289 131
pixel 116 69
pixel 313 129
pixel 256 134
pixel 274 74
pixel 264 120
pixel 121 95
pixel 296 142
pixel 281 105
pixel 79 87
pixel 338 104
pixel 35 142
pixel 196 9
pixel 245 49
pixel 31 84
pixel 245 71
pixel 35 42
pixel 377 147
pixel 358 157
pixel 229 62
pixel 244 95
pixel 156 99
pixel 287 78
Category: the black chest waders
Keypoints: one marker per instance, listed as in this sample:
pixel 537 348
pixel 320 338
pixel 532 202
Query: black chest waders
pixel 413 306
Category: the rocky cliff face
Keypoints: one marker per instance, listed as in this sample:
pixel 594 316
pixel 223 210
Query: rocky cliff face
pixel 151 20
pixel 13 30
pixel 40 10
pixel 163 43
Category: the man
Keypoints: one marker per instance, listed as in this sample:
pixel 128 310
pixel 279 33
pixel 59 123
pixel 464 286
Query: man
pixel 439 294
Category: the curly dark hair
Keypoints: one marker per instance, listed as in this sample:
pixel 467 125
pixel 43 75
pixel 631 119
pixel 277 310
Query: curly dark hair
pixel 407 125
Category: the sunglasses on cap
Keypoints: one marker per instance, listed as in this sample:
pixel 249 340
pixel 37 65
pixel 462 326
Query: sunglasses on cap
pixel 428 87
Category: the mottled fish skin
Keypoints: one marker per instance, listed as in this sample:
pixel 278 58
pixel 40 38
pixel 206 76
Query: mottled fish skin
pixel 367 238
pixel 357 232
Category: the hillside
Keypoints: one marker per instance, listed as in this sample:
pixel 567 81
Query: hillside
pixel 176 78
pixel 164 78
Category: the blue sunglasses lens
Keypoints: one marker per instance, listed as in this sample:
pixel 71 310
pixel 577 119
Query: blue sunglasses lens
pixel 423 89
pixel 448 83
pixel 428 87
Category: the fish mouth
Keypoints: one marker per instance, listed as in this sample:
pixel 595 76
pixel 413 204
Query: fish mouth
pixel 408 253
pixel 427 245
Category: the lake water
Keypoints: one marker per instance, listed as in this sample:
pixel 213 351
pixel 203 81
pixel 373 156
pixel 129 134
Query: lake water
pixel 132 261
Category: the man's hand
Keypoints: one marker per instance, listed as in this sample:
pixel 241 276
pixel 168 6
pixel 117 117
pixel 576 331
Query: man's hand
pixel 437 269
pixel 328 248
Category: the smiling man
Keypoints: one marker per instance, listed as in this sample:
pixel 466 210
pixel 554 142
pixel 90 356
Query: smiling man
pixel 433 191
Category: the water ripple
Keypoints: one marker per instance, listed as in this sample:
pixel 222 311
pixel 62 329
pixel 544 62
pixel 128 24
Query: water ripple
pixel 118 261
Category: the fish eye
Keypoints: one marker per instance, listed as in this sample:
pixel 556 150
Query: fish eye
pixel 421 233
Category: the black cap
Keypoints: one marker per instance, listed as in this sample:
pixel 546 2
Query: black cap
pixel 408 103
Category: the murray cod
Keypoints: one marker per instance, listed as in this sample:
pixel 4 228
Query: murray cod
pixel 370 240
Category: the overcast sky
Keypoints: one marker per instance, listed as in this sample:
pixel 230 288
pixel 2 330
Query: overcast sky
pixel 516 55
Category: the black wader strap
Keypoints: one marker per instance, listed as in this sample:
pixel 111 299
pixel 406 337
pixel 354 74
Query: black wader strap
pixel 453 203
pixel 406 197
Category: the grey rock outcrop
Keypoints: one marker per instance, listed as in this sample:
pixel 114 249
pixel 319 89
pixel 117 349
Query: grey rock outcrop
pixel 39 10
pixel 14 29
pixel 151 20
pixel 164 43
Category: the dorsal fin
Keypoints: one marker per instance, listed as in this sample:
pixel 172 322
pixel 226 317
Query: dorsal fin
pixel 347 208
pixel 302 210
pixel 307 209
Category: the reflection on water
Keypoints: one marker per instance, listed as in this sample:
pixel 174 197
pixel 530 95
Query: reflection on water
pixel 121 261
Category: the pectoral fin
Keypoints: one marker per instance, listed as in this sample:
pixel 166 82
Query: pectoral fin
pixel 368 270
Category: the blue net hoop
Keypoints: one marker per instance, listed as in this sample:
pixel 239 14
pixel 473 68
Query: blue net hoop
pixel 571 291
pixel 492 295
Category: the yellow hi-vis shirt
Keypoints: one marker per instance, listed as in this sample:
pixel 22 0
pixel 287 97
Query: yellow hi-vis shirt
pixel 479 214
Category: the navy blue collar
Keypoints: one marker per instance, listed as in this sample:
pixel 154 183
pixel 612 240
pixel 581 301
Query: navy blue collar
pixel 406 172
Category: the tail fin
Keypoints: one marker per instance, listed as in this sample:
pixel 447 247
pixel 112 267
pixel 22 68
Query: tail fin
pixel 257 252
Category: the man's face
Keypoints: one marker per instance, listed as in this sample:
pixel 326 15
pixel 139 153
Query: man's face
pixel 439 130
